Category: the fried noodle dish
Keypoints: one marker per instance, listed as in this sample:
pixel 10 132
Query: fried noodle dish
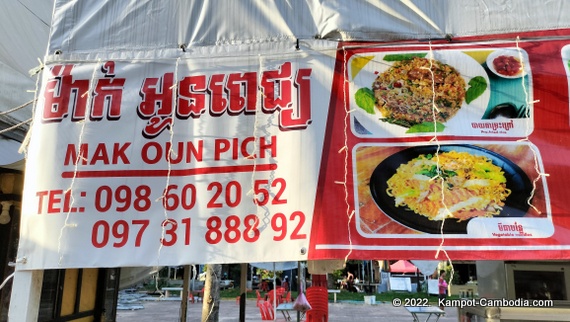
pixel 407 92
pixel 449 185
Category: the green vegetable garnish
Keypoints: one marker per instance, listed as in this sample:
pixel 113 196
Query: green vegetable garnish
pixel 426 127
pixel 398 57
pixel 365 99
pixel 434 171
pixel 477 86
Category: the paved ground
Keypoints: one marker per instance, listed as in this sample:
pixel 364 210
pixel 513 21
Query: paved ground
pixel 168 311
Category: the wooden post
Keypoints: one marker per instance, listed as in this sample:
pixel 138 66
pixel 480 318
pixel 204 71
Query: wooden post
pixel 184 300
pixel 211 305
pixel 26 293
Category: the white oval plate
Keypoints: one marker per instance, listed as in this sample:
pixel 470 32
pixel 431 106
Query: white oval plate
pixel 520 55
pixel 467 67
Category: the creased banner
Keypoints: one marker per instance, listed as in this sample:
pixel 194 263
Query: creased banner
pixel 177 161
pixel 453 152
pixel 415 151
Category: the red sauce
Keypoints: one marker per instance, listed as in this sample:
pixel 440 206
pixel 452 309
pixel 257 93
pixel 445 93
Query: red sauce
pixel 507 65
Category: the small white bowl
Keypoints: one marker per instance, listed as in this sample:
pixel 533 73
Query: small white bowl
pixel 513 52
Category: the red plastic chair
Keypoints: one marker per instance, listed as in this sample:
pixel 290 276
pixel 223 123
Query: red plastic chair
pixel 314 315
pixel 266 310
pixel 318 298
pixel 271 295
pixel 259 298
pixel 195 299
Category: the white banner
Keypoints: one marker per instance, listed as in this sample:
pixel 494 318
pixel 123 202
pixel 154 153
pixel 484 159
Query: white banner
pixel 174 162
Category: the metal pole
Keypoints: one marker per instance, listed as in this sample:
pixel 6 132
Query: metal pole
pixel 242 291
pixel 299 287
pixel 274 293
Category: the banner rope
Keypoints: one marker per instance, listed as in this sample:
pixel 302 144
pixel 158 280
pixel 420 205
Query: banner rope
pixel 260 130
pixel 6 280
pixel 344 149
pixel 8 129
pixel 528 111
pixel 262 210
pixel 17 107
pixel 169 154
pixel 435 140
pixel 80 157
pixel 24 146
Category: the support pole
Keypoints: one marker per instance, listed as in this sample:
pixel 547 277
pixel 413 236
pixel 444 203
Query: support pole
pixel 184 300
pixel 26 293
pixel 243 291
pixel 300 287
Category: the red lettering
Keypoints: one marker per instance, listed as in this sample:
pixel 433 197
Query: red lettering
pixel 245 84
pixel 107 97
pixel 218 103
pixel 54 199
pixel 172 156
pixel 244 150
pixel 119 153
pixel 174 153
pixel 277 88
pixel 71 156
pixel 62 92
pixel 271 146
pixel 156 96
pixel 156 125
pixel 41 195
pixel 100 155
pixel 221 146
pixel 149 158
pixel 197 152
pixel 67 202
pixel 300 117
pixel 192 97
pixel 108 68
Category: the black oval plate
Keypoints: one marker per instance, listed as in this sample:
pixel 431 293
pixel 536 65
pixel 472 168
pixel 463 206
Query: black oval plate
pixel 515 205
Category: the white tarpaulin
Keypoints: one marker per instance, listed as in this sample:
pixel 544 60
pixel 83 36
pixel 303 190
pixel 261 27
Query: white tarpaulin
pixel 24 33
pixel 169 133
pixel 427 268
pixel 82 29
pixel 201 170
pixel 276 266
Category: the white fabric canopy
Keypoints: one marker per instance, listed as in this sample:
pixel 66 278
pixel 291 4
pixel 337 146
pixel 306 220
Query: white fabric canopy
pixel 169 24
pixel 24 33
pixel 426 267
pixel 277 266
pixel 78 29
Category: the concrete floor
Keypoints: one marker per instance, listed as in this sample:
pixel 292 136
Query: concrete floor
pixel 169 311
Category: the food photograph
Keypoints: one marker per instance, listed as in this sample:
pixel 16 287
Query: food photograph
pixel 444 91
pixel 440 189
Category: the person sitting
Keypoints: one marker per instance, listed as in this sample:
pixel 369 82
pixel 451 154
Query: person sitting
pixel 350 283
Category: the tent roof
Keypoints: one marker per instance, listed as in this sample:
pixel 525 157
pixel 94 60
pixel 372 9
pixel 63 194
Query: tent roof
pixel 403 266
pixel 35 30
pixel 278 266
pixel 24 35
